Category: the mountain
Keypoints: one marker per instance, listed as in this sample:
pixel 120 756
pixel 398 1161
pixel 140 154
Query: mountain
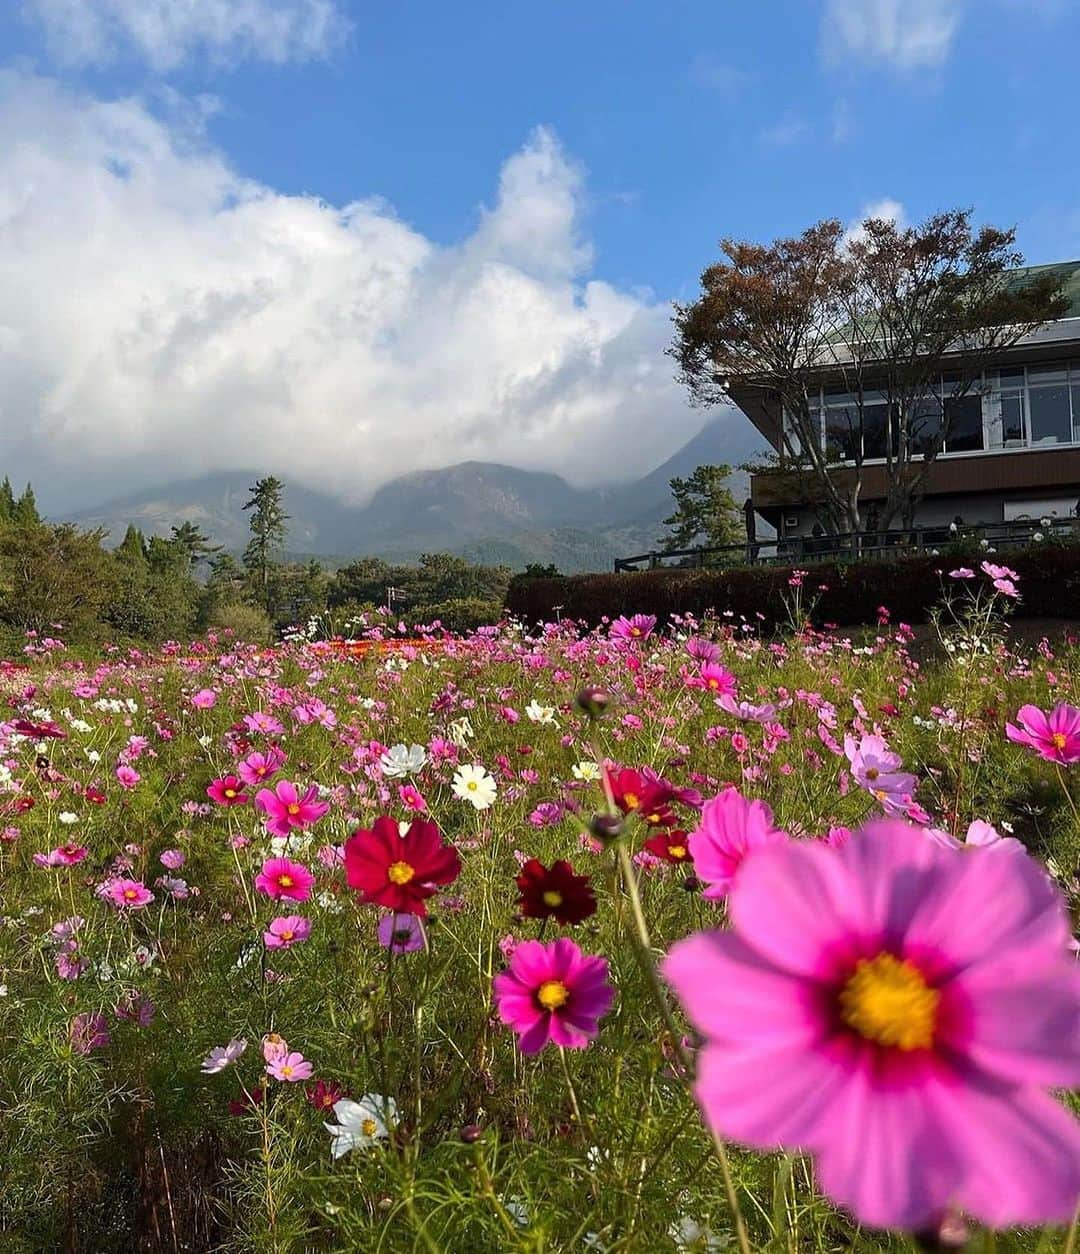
pixel 482 510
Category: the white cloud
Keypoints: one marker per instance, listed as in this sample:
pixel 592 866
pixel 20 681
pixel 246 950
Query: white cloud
pixel 908 34
pixel 788 131
pixel 162 316
pixel 886 210
pixel 712 73
pixel 167 32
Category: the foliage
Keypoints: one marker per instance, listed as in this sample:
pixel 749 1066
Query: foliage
pixel 268 531
pixel 878 314
pixel 247 621
pixel 705 511
pixel 438 577
pixel 846 592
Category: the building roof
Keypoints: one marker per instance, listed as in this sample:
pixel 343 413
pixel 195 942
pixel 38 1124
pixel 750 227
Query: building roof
pixel 1066 272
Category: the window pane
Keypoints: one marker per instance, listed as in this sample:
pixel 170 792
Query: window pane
pixel 924 427
pixel 1013 378
pixel 1046 374
pixel 1050 420
pixel 842 433
pixel 964 417
pixel 1012 418
pixel 1076 410
pixel 874 419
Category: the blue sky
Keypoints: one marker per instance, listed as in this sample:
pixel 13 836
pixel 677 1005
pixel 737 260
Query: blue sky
pixel 667 126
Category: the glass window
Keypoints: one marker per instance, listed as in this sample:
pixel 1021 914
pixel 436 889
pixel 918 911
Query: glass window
pixel 924 426
pixel 1049 414
pixel 1047 374
pixel 1012 418
pixel 875 418
pixel 1076 406
pixel 1011 378
pixel 842 432
pixel 964 424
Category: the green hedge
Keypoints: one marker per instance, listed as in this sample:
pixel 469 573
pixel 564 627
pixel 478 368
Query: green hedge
pixel 908 586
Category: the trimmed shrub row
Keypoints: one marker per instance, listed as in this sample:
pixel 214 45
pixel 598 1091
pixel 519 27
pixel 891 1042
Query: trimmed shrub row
pixel 908 586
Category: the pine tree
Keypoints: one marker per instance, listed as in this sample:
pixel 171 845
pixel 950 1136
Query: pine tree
pixel 268 531
pixel 7 501
pixel 132 548
pixel 25 510
pixel 190 538
pixel 705 511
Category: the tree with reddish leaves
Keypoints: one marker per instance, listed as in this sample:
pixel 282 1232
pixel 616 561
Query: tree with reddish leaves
pixel 903 320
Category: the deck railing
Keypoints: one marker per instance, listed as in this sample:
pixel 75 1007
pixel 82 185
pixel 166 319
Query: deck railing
pixel 879 544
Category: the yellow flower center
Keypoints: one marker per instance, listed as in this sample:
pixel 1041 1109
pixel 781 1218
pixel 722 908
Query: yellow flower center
pixel 230 792
pixel 552 994
pixel 288 934
pixel 631 800
pixel 293 809
pixel 888 1001
pixel 714 684
pixel 472 785
pixel 635 631
pixel 552 898
pixel 1058 740
pixel 369 1127
pixel 400 873
pixel 677 851
pixel 872 772
pixel 286 1070
pixel 285 881
pixel 130 894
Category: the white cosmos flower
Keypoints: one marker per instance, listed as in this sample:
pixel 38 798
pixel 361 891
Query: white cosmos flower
pixel 587 771
pixel 537 713
pixel 474 785
pixel 92 755
pixel 689 1235
pixel 66 816
pixel 222 1055
pixel 400 760
pixel 360 1124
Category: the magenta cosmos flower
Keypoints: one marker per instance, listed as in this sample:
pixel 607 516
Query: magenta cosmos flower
pixel 909 1008
pixel 553 992
pixel 126 894
pixel 281 878
pixel 637 627
pixel 286 810
pixel 1054 736
pixel 228 790
pixel 730 828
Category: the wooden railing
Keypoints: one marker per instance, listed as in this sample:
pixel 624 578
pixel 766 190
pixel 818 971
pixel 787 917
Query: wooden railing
pixel 794 550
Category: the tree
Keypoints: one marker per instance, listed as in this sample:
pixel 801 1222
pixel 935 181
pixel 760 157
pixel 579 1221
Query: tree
pixel 268 531
pixel 25 510
pixel 7 501
pixel 189 536
pixel 902 320
pixel 705 511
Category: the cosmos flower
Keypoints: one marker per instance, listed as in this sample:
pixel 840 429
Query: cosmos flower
pixel 289 930
pixel 125 894
pixel 400 760
pixel 631 630
pixel 399 871
pixel 292 1068
pixel 400 933
pixel 474 785
pixel 553 993
pixel 256 768
pixel 908 1044
pixel 228 790
pixel 222 1056
pixel 360 1124
pixel 731 828
pixel 1054 736
pixel 286 811
pixel 284 879
pixel 554 892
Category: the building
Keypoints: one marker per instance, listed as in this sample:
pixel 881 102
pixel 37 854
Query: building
pixel 1013 450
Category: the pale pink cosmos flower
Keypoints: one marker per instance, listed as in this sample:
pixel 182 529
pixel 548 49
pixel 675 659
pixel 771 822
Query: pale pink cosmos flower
pixel 746 710
pixel 731 829
pixel 292 1068
pixel 286 810
pixel 172 859
pixel 283 933
pixel 222 1056
pixel 979 835
pixel 877 768
pixel 204 699
pixel 127 776
pixel 910 1009
pixel 1054 736
pixel 88 1032
pixel 260 721
pixel 962 572
pixel 258 767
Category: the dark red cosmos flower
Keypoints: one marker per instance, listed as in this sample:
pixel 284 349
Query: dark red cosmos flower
pixel 670 845
pixel 636 793
pixel 399 872
pixel 39 731
pixel 94 795
pixel 246 1102
pixel 323 1094
pixel 554 892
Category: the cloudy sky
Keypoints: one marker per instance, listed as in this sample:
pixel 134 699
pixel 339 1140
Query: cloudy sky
pixel 340 239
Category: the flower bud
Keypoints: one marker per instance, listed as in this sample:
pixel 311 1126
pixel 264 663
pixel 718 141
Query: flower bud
pixel 606 828
pixel 594 702
pixel 471 1133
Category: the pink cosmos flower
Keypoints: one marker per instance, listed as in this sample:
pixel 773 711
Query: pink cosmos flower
pixel 227 791
pixel 286 810
pixel 126 894
pixel 172 859
pixel 998 572
pixel 411 798
pixel 291 929
pixel 638 627
pixel 1054 736
pixel 260 721
pixel 717 679
pixel 979 835
pixel 746 710
pixel 65 855
pixel 962 572
pixel 877 768
pixel 731 828
pixel 401 933
pixel 89 1032
pixel 292 1067
pixel 553 992
pixel 128 776
pixel 256 768
pixel 222 1056
pixel 282 879
pixel 909 1008
pixel 204 699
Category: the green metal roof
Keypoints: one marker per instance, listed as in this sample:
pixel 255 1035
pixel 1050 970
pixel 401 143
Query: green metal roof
pixel 1066 272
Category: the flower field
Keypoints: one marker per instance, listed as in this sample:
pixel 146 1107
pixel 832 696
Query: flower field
pixel 655 937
